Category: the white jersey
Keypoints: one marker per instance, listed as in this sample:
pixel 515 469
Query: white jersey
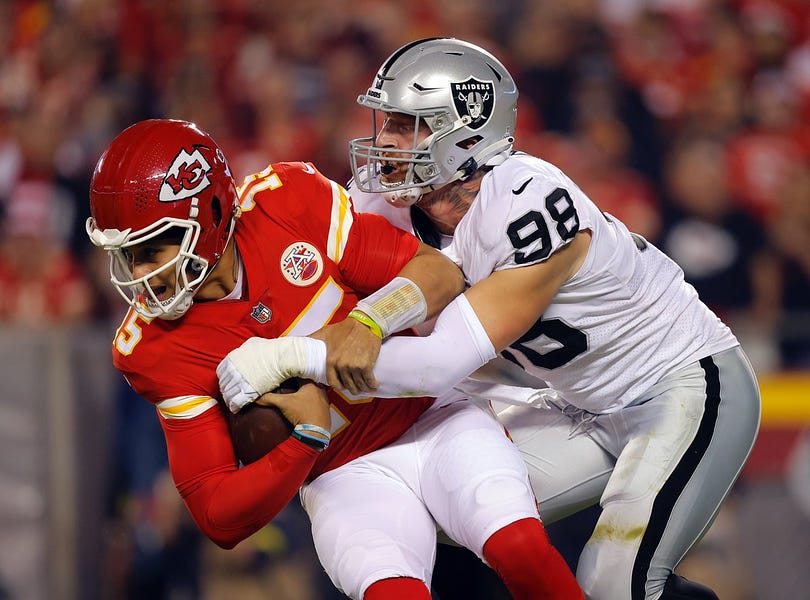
pixel 625 329
pixel 625 320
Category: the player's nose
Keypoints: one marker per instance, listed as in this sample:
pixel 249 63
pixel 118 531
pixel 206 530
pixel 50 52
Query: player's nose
pixel 143 270
pixel 139 271
pixel 388 139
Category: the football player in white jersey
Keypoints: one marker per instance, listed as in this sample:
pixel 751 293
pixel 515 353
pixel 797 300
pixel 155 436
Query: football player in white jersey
pixel 661 407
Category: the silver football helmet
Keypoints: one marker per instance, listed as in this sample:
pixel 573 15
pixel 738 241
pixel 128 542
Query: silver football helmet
pixel 466 97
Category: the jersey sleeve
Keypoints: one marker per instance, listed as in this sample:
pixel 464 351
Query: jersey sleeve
pixel 520 218
pixel 301 199
pixel 376 252
pixel 229 503
pixel 168 366
pixel 367 249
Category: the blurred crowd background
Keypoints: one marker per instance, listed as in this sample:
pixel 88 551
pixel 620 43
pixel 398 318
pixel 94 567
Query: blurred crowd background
pixel 687 119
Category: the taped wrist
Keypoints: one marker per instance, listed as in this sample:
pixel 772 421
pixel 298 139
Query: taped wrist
pixel 260 365
pixel 266 363
pixel 398 305
pixel 315 368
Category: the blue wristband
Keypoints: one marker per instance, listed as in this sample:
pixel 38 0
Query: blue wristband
pixel 305 427
pixel 301 433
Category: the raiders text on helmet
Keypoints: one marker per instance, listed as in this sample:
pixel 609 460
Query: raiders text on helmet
pixel 466 97
pixel 157 178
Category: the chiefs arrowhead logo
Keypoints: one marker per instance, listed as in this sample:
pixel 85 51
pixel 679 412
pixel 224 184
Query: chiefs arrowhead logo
pixel 187 177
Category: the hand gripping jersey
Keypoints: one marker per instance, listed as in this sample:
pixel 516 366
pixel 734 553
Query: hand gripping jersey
pixel 623 321
pixel 307 259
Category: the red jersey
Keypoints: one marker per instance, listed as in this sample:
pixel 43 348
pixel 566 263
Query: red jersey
pixel 308 257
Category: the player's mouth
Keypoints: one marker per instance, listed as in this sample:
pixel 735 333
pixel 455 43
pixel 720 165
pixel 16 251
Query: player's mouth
pixel 162 292
pixel 392 173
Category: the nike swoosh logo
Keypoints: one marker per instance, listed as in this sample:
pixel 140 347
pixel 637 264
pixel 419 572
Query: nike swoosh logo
pixel 519 191
pixel 421 88
pixel 308 169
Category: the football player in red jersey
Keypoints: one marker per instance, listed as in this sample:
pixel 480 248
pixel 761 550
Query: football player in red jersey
pixel 205 267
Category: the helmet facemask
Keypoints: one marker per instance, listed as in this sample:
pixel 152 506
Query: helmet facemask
pixel 190 270
pixel 421 173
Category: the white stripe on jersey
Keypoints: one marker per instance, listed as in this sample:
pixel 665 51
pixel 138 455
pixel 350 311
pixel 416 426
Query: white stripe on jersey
pixel 184 407
pixel 340 223
pixel 319 311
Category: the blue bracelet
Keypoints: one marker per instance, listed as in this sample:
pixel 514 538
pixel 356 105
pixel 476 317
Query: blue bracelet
pixel 318 443
pixel 301 427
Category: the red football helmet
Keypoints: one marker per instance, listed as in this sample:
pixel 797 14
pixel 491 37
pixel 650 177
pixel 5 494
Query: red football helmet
pixel 160 175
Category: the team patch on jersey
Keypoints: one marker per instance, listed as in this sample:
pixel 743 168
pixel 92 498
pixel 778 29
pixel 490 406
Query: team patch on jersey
pixel 187 177
pixel 475 99
pixel 261 313
pixel 301 263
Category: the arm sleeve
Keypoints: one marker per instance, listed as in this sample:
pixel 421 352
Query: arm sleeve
pixel 228 503
pixel 432 365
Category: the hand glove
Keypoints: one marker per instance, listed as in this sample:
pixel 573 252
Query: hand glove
pixel 261 365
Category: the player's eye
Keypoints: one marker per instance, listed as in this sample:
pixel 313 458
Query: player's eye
pixel 397 124
pixel 144 254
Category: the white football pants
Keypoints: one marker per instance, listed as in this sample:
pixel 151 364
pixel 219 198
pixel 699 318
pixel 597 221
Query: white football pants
pixel 376 517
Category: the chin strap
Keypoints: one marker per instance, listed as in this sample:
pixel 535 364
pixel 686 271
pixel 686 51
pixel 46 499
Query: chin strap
pixel 497 152
pixel 405 198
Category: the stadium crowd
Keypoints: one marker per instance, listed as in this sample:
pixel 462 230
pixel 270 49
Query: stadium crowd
pixel 687 119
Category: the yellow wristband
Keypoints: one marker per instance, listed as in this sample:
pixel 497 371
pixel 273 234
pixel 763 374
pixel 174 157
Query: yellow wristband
pixel 367 321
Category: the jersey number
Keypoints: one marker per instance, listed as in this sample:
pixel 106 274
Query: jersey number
pixel 531 227
pixel 522 232
pixel 572 343
pixel 129 333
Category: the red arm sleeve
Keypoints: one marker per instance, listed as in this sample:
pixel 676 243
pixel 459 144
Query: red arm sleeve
pixel 375 252
pixel 229 503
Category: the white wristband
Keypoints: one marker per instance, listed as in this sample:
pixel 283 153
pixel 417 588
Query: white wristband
pixel 398 305
pixel 315 368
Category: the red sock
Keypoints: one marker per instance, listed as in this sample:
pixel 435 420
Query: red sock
pixel 529 565
pixel 397 588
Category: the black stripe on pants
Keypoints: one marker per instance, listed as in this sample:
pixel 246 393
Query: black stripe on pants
pixel 674 486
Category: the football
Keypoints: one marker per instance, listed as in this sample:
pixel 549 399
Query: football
pixel 257 429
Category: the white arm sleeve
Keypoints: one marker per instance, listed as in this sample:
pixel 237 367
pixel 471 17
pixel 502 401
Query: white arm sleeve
pixel 432 365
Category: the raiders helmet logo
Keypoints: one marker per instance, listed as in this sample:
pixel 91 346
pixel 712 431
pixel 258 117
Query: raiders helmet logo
pixel 187 177
pixel 474 99
pixel 301 263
